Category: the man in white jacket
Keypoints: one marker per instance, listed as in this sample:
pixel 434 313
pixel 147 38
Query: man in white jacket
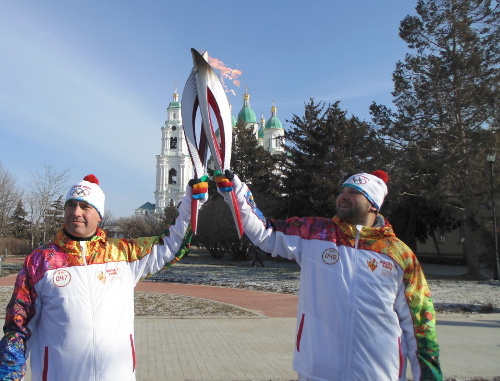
pixel 364 305
pixel 72 308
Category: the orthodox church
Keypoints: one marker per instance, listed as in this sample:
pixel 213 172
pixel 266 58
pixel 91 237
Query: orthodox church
pixel 174 168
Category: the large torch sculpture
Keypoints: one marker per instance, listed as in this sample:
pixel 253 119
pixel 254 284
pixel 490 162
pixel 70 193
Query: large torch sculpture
pixel 204 92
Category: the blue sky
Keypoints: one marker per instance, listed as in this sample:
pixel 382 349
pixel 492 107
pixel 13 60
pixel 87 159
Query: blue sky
pixel 85 84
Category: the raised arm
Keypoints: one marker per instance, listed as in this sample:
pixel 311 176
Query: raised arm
pixel 148 255
pixel 272 236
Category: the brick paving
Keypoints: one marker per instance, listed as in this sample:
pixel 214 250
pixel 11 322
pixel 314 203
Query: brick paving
pixel 261 348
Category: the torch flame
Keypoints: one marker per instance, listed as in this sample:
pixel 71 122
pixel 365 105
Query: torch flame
pixel 226 73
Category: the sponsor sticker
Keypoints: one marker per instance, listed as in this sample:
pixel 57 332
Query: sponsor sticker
pixel 388 269
pixel 384 268
pixel 109 275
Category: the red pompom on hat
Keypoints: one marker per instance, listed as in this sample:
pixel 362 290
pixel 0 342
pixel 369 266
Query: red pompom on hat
pixel 372 185
pixel 89 191
pixel 91 179
pixel 381 175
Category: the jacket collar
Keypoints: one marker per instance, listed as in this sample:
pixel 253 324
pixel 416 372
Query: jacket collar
pixel 73 247
pixel 382 228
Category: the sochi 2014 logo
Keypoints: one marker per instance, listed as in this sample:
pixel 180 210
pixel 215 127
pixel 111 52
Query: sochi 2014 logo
pixel 372 264
pixel 80 191
pixel 360 180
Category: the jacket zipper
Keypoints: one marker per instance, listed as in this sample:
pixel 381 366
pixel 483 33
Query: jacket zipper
pixel 352 300
pixel 92 309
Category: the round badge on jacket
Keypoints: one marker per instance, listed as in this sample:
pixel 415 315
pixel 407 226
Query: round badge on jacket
pixel 61 278
pixel 331 256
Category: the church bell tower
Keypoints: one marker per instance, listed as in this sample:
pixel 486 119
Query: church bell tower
pixel 174 168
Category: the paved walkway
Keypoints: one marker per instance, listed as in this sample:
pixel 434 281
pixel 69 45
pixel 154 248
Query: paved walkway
pixel 243 349
pixel 269 304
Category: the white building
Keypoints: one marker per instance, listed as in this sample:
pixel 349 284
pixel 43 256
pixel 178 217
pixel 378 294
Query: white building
pixel 273 134
pixel 174 168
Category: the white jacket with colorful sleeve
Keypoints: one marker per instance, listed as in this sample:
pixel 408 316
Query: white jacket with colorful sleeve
pixel 364 304
pixel 72 310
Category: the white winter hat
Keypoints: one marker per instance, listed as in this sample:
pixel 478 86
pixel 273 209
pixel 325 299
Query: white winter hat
pixel 89 191
pixel 373 186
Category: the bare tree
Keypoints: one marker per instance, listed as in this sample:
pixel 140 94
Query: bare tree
pixel 47 186
pixel 10 195
pixel 141 226
pixel 108 220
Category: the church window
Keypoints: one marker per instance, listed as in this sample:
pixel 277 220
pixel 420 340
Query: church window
pixel 277 141
pixel 173 142
pixel 172 176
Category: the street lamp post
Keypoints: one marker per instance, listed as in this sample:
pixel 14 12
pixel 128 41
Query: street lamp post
pixel 496 270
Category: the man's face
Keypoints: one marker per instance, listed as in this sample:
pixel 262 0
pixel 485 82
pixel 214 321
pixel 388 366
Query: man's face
pixel 354 208
pixel 80 219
